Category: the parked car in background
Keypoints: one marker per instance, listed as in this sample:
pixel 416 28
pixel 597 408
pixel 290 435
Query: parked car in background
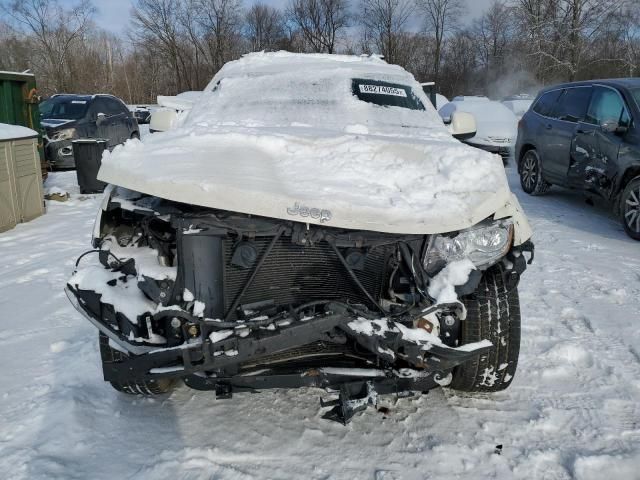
pixel 441 101
pixel 309 223
pixel 68 117
pixel 496 124
pixel 518 104
pixel 141 112
pixel 171 109
pixel 585 135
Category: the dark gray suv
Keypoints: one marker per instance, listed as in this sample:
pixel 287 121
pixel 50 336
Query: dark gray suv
pixel 585 135
pixel 68 117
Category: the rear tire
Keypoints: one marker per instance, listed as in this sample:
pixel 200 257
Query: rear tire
pixel 147 388
pixel 630 208
pixel 493 313
pixel 530 170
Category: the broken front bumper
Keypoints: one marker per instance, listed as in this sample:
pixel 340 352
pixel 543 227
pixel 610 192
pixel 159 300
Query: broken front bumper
pixel 217 358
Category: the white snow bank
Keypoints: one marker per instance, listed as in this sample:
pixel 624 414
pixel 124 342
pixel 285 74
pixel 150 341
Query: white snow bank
pixel 243 148
pixel 597 467
pixel 11 132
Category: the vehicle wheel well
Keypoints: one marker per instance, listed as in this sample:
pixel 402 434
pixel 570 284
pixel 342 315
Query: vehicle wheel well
pixel 629 174
pixel 525 148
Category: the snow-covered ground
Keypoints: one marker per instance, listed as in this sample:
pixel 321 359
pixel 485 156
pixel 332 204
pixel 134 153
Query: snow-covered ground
pixel 573 410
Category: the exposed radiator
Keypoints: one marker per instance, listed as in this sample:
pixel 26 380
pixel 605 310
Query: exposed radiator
pixel 294 274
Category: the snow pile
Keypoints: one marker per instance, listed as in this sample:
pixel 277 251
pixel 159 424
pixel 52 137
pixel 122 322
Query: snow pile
pixel 443 286
pixel 14 132
pixel 275 129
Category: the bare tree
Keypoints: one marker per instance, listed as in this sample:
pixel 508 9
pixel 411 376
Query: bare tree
pixel 156 24
pixel 55 31
pixel 319 21
pixel 494 32
pixel 441 17
pixel 384 23
pixel 264 27
pixel 221 23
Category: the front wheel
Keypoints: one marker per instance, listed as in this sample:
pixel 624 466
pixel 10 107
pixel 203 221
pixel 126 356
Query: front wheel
pixel 493 313
pixel 531 174
pixel 631 208
pixel 133 387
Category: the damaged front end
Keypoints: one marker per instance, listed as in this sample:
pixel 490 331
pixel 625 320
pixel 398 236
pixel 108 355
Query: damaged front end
pixel 228 301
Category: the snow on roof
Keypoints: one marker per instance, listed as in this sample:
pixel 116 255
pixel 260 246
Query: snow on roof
pixel 16 73
pixel 285 89
pixel 470 98
pixel 12 132
pixel 258 63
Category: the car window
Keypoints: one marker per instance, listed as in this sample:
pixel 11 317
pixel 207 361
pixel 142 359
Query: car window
pixel 573 104
pixel 64 107
pixel 99 106
pixel 113 106
pixel 607 105
pixel 544 105
pixel 385 94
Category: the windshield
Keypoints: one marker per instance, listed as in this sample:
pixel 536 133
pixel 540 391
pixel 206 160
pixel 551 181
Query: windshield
pixel 385 94
pixel 68 108
pixel 323 101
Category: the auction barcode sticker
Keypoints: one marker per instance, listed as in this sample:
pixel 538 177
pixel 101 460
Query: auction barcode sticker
pixel 382 90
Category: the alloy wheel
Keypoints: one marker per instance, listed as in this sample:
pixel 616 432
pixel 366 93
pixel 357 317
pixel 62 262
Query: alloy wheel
pixel 529 171
pixel 632 210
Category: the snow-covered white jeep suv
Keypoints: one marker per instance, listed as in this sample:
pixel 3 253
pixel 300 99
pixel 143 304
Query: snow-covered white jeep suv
pixel 311 222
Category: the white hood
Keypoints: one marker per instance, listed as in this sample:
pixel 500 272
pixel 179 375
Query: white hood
pixel 370 183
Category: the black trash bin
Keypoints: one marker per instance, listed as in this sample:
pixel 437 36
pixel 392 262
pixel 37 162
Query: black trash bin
pixel 87 153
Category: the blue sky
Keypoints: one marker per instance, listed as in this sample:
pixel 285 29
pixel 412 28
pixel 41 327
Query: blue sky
pixel 114 15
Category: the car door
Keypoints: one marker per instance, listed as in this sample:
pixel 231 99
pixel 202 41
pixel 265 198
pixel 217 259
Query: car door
pixel 118 118
pixel 608 119
pixel 561 128
pixel 101 128
pixel 121 120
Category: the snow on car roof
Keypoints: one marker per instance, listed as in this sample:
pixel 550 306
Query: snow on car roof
pixel 285 89
pixel 275 62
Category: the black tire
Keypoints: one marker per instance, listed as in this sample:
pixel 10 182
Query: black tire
pixel 630 208
pixel 147 388
pixel 135 135
pixel 493 313
pixel 530 172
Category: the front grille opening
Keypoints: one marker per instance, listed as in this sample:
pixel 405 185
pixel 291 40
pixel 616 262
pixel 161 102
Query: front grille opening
pixel 294 274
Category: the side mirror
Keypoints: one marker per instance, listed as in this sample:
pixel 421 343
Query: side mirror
pixel 612 126
pixel 163 120
pixel 100 119
pixel 463 125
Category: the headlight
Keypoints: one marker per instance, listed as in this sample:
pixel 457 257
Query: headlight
pixel 64 134
pixel 483 245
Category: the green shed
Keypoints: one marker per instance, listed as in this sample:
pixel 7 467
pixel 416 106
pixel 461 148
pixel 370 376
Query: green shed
pixel 19 103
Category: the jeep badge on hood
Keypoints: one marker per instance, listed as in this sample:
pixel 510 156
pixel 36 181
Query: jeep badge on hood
pixel 304 211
